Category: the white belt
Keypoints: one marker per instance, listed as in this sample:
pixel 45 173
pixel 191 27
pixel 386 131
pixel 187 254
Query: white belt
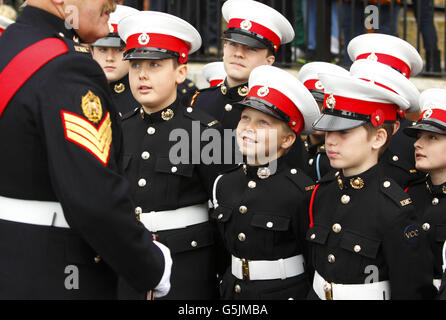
pixel 267 269
pixel 42 213
pixel 184 217
pixel 334 291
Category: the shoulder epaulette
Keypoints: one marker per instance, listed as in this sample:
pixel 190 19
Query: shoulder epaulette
pixel 394 192
pixel 74 46
pixel 130 114
pixel 394 160
pixel 203 117
pixel 300 179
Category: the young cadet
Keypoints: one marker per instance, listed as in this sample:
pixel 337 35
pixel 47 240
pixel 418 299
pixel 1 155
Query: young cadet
pixel 108 53
pixel 253 35
pixel 373 54
pixel 170 185
pixel 259 207
pixel 364 236
pixel 317 164
pixel 429 195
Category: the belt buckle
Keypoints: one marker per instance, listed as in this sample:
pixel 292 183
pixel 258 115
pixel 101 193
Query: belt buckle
pixel 328 289
pixel 245 269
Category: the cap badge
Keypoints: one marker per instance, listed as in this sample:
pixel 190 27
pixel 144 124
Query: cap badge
pixel 377 118
pixel 427 114
pixel 319 85
pixel 331 102
pixel 243 91
pixel 245 25
pixel 119 88
pixel 92 107
pixel 143 39
pixel 372 57
pixel 357 183
pixel 263 91
pixel 167 114
pixel 263 173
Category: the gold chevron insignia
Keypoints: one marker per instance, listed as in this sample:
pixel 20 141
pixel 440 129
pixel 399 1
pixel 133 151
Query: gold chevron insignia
pixel 95 140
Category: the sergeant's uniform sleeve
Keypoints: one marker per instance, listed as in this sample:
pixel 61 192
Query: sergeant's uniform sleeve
pixel 407 252
pixel 81 137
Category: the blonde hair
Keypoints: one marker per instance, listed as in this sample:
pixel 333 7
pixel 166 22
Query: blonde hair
pixel 8 12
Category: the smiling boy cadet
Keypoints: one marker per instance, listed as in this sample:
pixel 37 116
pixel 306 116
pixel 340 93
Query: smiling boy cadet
pixel 429 195
pixel 364 236
pixel 171 188
pixel 259 207
pixel 108 52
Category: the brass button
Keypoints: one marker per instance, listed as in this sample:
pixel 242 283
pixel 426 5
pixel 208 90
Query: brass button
pixel 357 248
pixel 194 243
pixel 293 171
pixel 151 130
pixel 142 182
pixel 97 259
pixel 237 288
pixel 336 228
pixel 220 216
pixel 345 199
pixel 243 209
pixel 269 224
pixel 189 109
pixel 138 210
pixel 145 155
pixel 310 162
pixel 395 158
pixel 331 258
pixel 426 226
pixel 241 237
pixel 386 184
pixel 313 236
pixel 228 107
pixel 174 169
pixel 435 201
pixel 252 184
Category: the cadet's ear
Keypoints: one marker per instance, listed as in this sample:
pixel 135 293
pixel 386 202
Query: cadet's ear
pixel 288 139
pixel 181 73
pixel 396 126
pixel 270 59
pixel 379 138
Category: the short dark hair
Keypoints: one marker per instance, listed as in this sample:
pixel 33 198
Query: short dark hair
pixel 389 127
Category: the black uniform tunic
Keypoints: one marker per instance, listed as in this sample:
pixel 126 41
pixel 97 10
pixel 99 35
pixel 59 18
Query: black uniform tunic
pixel 148 142
pixel 122 95
pixel 368 221
pixel 263 219
pixel 39 162
pixel 430 202
pixel 317 164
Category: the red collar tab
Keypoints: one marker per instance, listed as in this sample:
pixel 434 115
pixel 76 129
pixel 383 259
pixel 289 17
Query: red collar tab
pixel 392 61
pixel 282 102
pixel 257 28
pixel 437 114
pixel 378 112
pixel 160 41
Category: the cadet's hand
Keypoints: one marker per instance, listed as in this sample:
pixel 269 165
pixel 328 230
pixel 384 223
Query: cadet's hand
pixel 163 286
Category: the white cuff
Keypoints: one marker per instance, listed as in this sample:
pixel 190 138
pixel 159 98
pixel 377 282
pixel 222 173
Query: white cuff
pixel 163 287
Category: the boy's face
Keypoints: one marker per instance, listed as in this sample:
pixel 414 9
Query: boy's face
pixel 239 60
pixel 350 150
pixel 154 82
pixel 430 150
pixel 110 60
pixel 261 137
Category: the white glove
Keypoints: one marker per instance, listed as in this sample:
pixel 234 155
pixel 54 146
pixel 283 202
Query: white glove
pixel 163 286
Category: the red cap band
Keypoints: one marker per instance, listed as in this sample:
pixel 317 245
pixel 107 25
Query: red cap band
pixel 1 31
pixel 392 61
pixel 214 83
pixel 161 41
pixel 437 114
pixel 378 111
pixel 380 85
pixel 282 102
pixel 256 28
